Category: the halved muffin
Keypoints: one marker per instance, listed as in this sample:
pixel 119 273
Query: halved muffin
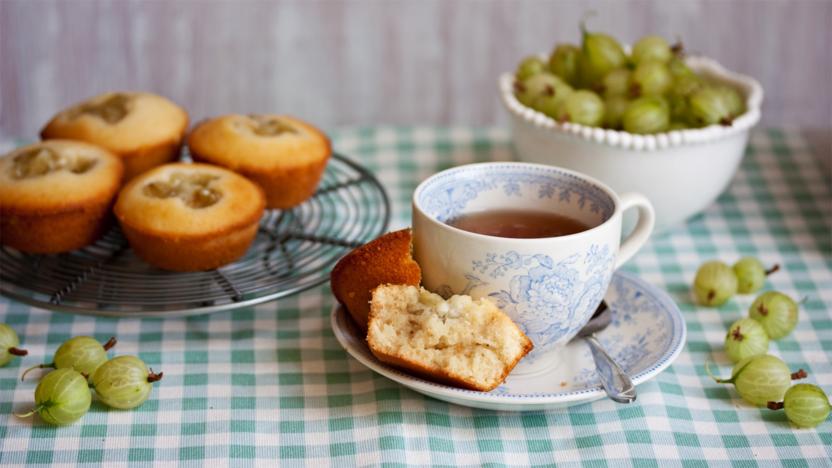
pixel 463 342
pixel 144 129
pixel 190 217
pixel 55 196
pixel 284 155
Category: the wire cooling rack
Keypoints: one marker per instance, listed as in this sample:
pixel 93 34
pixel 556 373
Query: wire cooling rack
pixel 294 250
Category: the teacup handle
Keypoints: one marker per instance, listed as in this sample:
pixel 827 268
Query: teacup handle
pixel 646 221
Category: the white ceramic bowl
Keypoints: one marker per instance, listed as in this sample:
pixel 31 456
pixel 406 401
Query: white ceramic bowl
pixel 681 172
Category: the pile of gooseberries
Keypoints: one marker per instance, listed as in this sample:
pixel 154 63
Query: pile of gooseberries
pixel 759 378
pixel 651 90
pixel 81 363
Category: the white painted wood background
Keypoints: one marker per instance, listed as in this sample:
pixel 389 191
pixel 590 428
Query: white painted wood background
pixel 373 62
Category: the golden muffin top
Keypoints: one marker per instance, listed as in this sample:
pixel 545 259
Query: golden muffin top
pixel 121 121
pixel 189 200
pixel 258 142
pixel 57 175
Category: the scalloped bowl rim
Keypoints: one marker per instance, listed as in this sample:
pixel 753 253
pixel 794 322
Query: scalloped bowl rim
pixel 750 87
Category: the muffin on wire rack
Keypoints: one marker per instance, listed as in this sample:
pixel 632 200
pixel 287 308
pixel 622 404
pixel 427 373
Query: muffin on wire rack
pixel 145 130
pixel 284 155
pixel 190 217
pixel 55 196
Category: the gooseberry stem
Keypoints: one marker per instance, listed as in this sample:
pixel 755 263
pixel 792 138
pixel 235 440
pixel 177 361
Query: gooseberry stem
pixel 154 377
pixel 582 24
pixel 678 48
pixel 110 343
pixel 39 366
pixel 717 379
pixel 30 413
pixel 775 405
pixel 800 374
pixel 774 269
pixel 17 351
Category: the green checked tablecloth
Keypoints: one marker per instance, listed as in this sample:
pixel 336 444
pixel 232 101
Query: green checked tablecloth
pixel 270 385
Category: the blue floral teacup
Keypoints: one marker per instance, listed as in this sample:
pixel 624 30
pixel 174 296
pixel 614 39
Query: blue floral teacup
pixel 549 286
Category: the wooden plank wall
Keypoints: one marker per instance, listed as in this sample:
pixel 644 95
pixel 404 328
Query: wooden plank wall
pixel 369 62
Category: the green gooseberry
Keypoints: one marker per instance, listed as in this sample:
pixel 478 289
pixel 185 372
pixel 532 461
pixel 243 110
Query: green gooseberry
pixel 806 405
pixel 614 108
pixel 530 89
pixel 529 67
pixel 563 62
pixel 600 53
pixel 61 397
pixel 9 343
pixel 81 353
pixel 616 83
pixel 651 48
pixel 650 79
pixel 708 106
pixel 776 312
pixel 745 338
pixel 714 284
pixel 582 107
pixel 649 114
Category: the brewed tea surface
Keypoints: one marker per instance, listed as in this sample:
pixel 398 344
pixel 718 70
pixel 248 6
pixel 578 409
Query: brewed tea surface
pixel 520 224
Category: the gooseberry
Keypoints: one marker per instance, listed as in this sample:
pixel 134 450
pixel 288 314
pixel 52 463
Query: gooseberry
pixel 553 97
pixel 806 405
pixel 649 114
pixel 124 382
pixel 528 90
pixel 616 83
pixel 61 397
pixel 651 48
pixel 582 107
pixel 745 338
pixel 600 53
pixel 529 67
pixel 81 353
pixel 715 283
pixel 708 106
pixel 9 343
pixel 650 79
pixel 776 312
pixel 732 99
pixel 614 108
pixel 564 62
pixel 751 274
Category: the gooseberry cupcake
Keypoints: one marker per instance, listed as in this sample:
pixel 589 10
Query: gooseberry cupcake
pixel 56 195
pixel 144 129
pixel 284 155
pixel 190 217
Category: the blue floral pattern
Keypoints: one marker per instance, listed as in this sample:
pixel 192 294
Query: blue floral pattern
pixel 550 300
pixel 629 307
pixel 448 195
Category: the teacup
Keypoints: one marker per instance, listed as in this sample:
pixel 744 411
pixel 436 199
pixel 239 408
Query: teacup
pixel 549 286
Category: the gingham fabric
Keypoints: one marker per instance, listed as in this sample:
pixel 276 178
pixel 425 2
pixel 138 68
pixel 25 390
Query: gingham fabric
pixel 270 385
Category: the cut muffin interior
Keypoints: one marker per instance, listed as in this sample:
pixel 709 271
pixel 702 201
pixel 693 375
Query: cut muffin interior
pixel 464 342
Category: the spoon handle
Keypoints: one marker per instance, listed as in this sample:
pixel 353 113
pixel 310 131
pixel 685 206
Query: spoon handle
pixel 617 384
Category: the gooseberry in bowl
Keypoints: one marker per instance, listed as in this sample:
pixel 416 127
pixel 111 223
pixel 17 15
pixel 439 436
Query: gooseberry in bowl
pixel 681 149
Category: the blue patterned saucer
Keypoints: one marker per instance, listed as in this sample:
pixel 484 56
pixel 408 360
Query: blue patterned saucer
pixel 646 334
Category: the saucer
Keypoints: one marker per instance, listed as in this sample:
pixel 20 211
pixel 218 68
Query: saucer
pixel 646 335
